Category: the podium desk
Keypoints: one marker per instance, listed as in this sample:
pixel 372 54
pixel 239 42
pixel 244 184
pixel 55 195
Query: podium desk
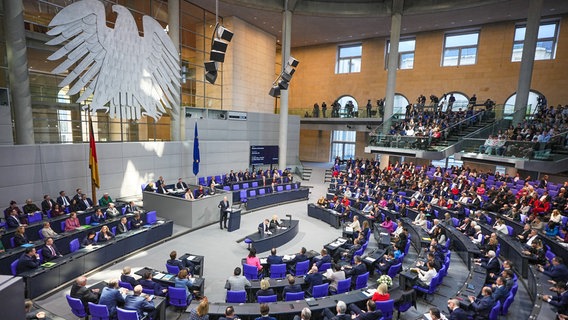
pixel 234 219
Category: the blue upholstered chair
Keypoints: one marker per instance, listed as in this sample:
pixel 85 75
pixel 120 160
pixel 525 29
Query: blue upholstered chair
pixel 343 285
pixel 302 268
pixel 98 311
pixel 386 307
pixel 74 245
pixel 125 285
pixel 293 296
pixel 278 271
pixel 236 296
pixel 320 290
pixel 361 281
pixel 250 272
pixel 77 306
pixel 124 314
pixel 266 299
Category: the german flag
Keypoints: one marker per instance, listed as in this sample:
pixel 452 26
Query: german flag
pixel 93 162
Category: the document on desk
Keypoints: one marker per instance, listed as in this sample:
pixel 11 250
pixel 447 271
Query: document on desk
pixel 370 259
pixel 192 258
pixel 48 264
pixel 159 275
pixel 263 261
pixel 348 229
pixel 369 292
pixel 288 257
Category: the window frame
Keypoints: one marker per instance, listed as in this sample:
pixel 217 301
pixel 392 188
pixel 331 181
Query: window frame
pixel 554 39
pixel 400 53
pixel 460 48
pixel 350 59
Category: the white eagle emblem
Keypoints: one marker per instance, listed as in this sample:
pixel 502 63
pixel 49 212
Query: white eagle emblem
pixel 116 66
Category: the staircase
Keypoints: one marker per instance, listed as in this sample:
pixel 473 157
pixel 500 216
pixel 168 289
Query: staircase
pixel 327 176
pixel 457 136
pixel 306 174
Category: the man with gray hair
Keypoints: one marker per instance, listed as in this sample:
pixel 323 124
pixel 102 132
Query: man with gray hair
pixel 341 308
pixel 306 314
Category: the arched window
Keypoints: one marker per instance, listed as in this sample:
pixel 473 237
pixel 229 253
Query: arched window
pixel 343 101
pixel 532 103
pixel 400 103
pixel 461 101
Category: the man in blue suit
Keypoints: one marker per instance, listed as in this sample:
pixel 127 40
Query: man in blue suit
pixel 370 314
pixel 273 258
pixel 313 278
pixel 141 304
pixel 499 290
pixel 456 313
pixel 291 287
pixel 557 271
pixel 483 306
pixel 111 296
pixel 491 263
pixel 356 270
pixel 561 300
pixel 325 258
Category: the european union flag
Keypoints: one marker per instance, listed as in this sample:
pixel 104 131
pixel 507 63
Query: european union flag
pixel 195 152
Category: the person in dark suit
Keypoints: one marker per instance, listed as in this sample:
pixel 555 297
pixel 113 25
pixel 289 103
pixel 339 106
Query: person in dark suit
pixel 299 257
pixel 12 220
pixel 111 296
pixel 98 216
pixel 341 308
pixel 160 182
pixel 122 227
pixel 185 264
pixel 385 262
pixel 86 295
pixel 126 277
pixel 346 253
pixel 230 314
pixel 136 222
pixel 28 261
pixel 223 211
pixel 274 223
pixel 50 251
pixel 85 203
pixel 47 204
pixel 20 237
pixel 325 258
pixel 291 286
pixel 490 263
pixel 89 239
pixel 264 310
pixel 557 271
pixel 313 278
pixel 560 301
pixel 142 305
pixel 273 258
pixel 370 314
pixel 355 271
pixel 131 208
pixel 499 290
pixel 162 189
pixel 456 313
pixel 482 307
pixel 180 185
pixel 63 200
pixel 147 283
pixel 264 227
pixel 199 192
pixel 30 207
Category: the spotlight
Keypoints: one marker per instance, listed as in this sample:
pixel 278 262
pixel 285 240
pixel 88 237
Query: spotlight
pixel 217 56
pixel 274 91
pixel 283 84
pixel 283 80
pixel 224 33
pixel 219 43
pixel 211 68
pixel 211 77
pixel 293 62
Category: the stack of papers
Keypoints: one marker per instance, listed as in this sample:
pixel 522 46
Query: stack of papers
pixel 48 264
pixel 288 257
pixel 159 275
pixel 192 258
pixel 263 261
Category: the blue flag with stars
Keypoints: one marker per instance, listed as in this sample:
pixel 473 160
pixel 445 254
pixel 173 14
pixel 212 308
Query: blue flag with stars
pixel 196 153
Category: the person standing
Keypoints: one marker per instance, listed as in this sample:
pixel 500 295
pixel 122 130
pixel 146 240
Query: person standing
pixel 223 211
pixel 369 107
pixel 316 111
pixel 323 108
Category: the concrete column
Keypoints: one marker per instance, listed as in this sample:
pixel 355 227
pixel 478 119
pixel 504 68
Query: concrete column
pixel 527 61
pixel 396 22
pixel 175 114
pixel 283 136
pixel 17 55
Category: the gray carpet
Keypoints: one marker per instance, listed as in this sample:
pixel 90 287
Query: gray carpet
pixel 223 253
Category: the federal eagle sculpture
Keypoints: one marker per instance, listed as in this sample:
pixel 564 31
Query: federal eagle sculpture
pixel 126 75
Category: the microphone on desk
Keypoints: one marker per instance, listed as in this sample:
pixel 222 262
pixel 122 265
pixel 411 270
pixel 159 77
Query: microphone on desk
pixel 289 218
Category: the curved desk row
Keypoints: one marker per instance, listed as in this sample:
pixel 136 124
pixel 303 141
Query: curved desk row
pixel 329 216
pixel 253 191
pixel 301 193
pixel 265 242
pixel 69 267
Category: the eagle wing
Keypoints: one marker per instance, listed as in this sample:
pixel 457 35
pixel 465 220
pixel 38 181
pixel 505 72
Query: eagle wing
pixel 162 64
pixel 82 25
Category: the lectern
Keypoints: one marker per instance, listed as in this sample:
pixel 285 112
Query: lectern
pixel 234 219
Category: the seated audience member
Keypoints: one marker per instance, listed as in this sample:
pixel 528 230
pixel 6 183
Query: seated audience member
pixel 340 308
pixel 63 200
pixel 237 282
pixel 325 258
pixel 253 260
pixel 456 313
pixel 13 220
pixel 20 237
pixel 230 314
pixel 385 262
pixel 199 192
pixel 334 276
pixel 98 216
pixel 28 261
pixel 382 293
pixel 201 312
pixel 126 277
pixel 371 313
pixel 181 264
pixel 313 278
pixel 482 307
pixel 86 295
pixel 84 203
pixel 499 290
pixel 111 211
pixel 189 194
pixel 557 271
pixel 72 222
pixel 305 314
pixel 147 283
pixel 180 185
pixel 105 235
pixel 490 263
pixel 435 314
pixel 355 225
pixel 105 200
pixel 136 222
pixel 122 226
pixel 2 249
pixel 536 253
pixel 131 208
pixel 425 277
pixel 47 232
pixel 388 225
pixel 30 207
pixel 149 187
pixel 560 300
pixel 353 271
pixel 57 211
pixel 184 280
pixel 292 286
pixel 264 310
pixel 112 296
pixel 347 253
pixel 50 251
pixel 265 289
pixel 273 258
pixel 47 204
pixel 142 305
pixel 89 239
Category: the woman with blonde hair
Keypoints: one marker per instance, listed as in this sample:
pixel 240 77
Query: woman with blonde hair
pixel 382 293
pixel 201 312
pixel 265 289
